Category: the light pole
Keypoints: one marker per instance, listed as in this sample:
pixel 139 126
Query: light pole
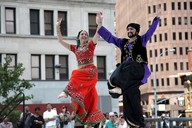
pixel 155 83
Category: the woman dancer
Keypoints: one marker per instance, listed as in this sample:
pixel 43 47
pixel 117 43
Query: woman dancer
pixel 81 86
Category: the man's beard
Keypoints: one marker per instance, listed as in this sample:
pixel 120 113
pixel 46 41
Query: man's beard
pixel 131 35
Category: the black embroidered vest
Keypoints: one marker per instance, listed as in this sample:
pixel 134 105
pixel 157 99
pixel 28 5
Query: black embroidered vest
pixel 136 53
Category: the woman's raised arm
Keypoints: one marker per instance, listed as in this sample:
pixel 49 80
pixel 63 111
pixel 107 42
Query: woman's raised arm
pixel 59 36
pixel 99 20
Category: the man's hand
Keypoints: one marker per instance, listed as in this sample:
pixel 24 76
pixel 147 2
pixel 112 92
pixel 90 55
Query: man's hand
pixel 158 10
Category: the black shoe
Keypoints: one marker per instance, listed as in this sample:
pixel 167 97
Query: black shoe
pixel 113 95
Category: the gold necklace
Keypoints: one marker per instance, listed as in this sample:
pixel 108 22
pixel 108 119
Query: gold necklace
pixel 83 45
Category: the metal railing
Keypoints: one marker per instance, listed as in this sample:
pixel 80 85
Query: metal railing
pixel 167 122
pixel 4 112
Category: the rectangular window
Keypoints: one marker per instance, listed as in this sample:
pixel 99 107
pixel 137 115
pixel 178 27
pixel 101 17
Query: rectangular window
pixel 150 40
pixel 190 5
pixel 185 5
pixel 186 35
pixel 168 83
pixel 187 65
pixel 179 5
pixel 162 82
pixel 175 52
pixel 165 6
pixel 10 21
pixel 160 37
pixel 185 21
pixel 181 65
pixel 179 20
pixel 167 66
pixel 165 21
pixel 49 67
pixel 101 66
pixel 166 37
pixel 166 53
pixel 174 36
pixel 151 82
pixel 151 68
pixel 155 52
pixel 173 5
pixel 191 35
pixel 48 22
pixel 173 20
pixel 155 38
pixel 160 51
pixel 149 9
pixel 92 24
pixel 154 8
pixel 157 82
pixel 186 50
pixel 180 50
pixel 13 61
pixel 162 67
pixel 159 22
pixel 191 20
pixel 34 22
pixel 63 15
pixel 176 81
pixel 35 67
pixel 175 66
pixel 63 70
pixel 180 35
pixel 150 53
pixel 156 66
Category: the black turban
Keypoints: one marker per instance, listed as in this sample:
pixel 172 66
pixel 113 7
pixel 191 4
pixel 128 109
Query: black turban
pixel 134 25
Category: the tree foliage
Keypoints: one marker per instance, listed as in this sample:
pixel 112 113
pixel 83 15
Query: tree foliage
pixel 11 83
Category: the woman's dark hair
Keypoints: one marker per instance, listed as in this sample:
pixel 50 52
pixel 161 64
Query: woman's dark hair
pixel 37 108
pixel 77 38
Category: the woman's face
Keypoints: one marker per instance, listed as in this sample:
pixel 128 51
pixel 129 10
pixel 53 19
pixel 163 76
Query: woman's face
pixel 122 118
pixel 37 111
pixel 83 37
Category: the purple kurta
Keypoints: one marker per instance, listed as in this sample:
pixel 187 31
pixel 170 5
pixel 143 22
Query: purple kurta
pixel 108 37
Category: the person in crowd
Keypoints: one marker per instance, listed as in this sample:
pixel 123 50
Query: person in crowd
pixel 111 122
pixel 37 120
pixel 122 123
pixel 25 121
pixel 6 123
pixel 65 119
pixel 49 117
pixel 81 87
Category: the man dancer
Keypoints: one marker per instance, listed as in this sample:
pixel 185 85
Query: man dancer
pixel 133 70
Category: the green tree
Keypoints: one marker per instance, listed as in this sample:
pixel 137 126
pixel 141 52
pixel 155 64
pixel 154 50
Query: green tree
pixel 11 84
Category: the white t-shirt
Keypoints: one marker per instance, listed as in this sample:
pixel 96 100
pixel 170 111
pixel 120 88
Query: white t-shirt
pixel 123 126
pixel 50 114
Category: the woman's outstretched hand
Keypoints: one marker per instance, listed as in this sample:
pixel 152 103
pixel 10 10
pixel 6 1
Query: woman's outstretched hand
pixel 99 18
pixel 59 21
pixel 62 94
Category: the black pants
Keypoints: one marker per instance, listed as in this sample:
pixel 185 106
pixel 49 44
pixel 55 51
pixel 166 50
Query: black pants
pixel 128 77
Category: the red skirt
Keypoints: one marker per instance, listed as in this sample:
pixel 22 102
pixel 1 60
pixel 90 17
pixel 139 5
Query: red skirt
pixel 81 88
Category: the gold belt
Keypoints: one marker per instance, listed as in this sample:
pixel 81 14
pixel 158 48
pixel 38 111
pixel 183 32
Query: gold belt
pixel 83 65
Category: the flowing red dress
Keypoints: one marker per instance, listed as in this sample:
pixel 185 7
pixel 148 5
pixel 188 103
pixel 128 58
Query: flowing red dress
pixel 81 86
